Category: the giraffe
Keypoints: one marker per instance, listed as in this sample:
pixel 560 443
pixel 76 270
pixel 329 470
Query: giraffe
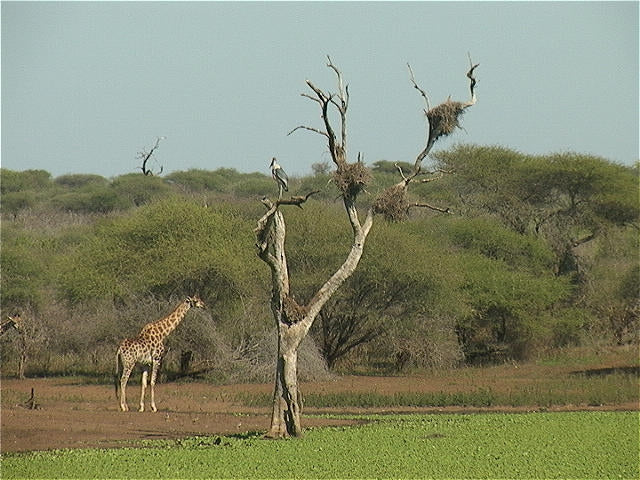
pixel 13 322
pixel 16 322
pixel 148 349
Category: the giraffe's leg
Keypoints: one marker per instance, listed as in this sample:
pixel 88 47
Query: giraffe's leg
pixel 126 371
pixel 145 374
pixel 154 374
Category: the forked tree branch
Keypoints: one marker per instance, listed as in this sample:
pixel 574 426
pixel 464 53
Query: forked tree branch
pixel 443 120
pixel 472 80
pixel 340 101
pixel 146 156
pixel 417 87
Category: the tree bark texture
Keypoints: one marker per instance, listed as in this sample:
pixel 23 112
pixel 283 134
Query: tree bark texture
pixel 293 321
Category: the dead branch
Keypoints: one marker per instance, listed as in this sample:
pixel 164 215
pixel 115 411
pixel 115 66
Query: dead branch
pixel 432 179
pixel 417 87
pixel 310 97
pixel 296 200
pixel 443 120
pixel 311 129
pixel 432 207
pixel 31 404
pixel 262 230
pixel 401 172
pixel 472 80
pixel 343 96
pixel 341 102
pixel 146 156
pixel 440 174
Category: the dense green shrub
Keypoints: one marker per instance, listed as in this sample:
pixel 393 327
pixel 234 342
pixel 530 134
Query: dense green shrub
pixel 197 180
pixel 97 199
pixel 14 202
pixel 80 180
pixel 135 189
pixel 170 247
pixel 541 251
pixel 13 181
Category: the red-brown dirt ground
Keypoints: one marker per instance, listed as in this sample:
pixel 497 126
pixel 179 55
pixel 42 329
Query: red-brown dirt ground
pixel 73 415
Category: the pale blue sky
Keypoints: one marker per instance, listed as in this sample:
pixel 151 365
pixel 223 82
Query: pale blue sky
pixel 85 86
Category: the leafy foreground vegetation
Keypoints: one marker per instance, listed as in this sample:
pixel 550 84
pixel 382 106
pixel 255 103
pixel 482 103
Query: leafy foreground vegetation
pixel 537 445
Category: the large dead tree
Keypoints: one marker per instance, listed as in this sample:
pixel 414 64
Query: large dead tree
pixel 292 319
pixel 146 156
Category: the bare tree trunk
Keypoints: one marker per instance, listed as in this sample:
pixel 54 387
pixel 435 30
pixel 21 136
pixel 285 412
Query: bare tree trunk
pixel 287 405
pixel 294 321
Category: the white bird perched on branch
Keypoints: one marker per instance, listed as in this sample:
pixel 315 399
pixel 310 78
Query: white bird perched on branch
pixel 280 177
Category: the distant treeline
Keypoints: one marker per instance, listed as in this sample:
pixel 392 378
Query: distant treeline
pixel 535 252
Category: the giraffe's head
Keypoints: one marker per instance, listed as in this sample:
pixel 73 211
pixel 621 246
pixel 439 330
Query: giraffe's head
pixel 195 301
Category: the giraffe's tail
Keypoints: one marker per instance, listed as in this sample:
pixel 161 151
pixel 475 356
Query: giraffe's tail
pixel 116 377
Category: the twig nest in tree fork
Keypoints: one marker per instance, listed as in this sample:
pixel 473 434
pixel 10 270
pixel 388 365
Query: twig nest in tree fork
pixel 392 203
pixel 352 178
pixel 444 118
pixel 293 312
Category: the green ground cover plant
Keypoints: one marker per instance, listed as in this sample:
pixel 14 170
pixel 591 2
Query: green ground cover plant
pixel 533 445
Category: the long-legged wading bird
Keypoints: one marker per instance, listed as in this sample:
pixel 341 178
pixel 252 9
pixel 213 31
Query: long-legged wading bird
pixel 280 177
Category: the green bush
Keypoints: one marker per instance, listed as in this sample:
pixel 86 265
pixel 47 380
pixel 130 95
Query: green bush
pixel 254 186
pixel 197 180
pixel 494 241
pixel 171 247
pixel 14 202
pixel 13 181
pixel 80 180
pixel 25 259
pixel 135 189
pixel 99 199
pixel 505 308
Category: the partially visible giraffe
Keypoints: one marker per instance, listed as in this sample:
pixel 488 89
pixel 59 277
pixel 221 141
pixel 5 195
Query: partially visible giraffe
pixel 12 322
pixel 148 349
pixel 16 322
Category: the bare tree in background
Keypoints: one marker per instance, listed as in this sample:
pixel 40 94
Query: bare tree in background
pixel 292 319
pixel 146 156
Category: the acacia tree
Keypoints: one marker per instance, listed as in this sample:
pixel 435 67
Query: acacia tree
pixel 292 319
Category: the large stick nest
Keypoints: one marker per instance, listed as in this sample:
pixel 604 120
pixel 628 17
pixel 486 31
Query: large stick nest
pixel 293 312
pixel 392 203
pixel 352 178
pixel 444 118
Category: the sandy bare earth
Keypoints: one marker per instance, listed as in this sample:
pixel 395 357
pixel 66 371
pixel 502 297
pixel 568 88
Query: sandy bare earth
pixel 69 415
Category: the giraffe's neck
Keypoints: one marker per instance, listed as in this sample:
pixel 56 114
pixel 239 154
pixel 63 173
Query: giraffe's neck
pixel 168 324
